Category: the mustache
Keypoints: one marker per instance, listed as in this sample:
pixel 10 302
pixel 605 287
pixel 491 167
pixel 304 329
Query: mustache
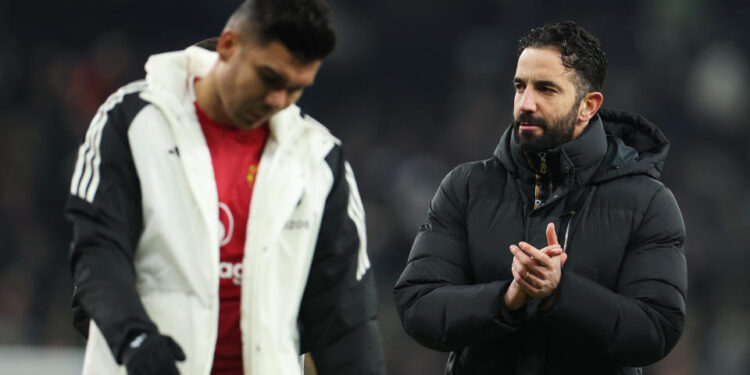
pixel 528 117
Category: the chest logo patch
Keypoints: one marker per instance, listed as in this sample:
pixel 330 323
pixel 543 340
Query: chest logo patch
pixel 226 221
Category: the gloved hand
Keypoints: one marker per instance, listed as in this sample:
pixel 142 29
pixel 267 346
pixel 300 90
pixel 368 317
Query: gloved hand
pixel 152 353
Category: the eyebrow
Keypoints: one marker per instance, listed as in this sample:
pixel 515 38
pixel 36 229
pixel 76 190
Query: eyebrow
pixel 271 73
pixel 539 83
pixel 548 83
pixel 279 77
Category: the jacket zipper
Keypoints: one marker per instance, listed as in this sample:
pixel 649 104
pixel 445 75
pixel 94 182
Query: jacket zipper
pixel 543 169
pixel 269 167
pixel 538 185
pixel 567 230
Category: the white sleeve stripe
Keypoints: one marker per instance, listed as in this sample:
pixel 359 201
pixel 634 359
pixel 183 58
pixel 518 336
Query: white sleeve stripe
pixel 100 119
pixel 86 178
pixel 354 201
pixel 93 186
pixel 85 181
pixel 354 207
pixel 78 170
pixel 83 155
pixel 356 213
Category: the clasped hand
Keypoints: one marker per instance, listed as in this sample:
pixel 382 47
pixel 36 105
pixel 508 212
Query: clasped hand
pixel 536 273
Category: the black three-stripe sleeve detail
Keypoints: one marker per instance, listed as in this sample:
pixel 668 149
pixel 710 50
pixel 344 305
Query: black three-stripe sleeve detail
pixel 107 223
pixel 339 309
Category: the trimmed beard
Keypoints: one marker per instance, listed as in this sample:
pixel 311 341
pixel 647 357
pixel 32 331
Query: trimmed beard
pixel 559 132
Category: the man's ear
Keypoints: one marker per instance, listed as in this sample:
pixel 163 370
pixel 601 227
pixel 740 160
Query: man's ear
pixel 228 44
pixel 590 103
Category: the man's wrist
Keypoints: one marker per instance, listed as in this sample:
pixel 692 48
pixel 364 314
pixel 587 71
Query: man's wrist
pixel 549 301
pixel 514 298
pixel 133 341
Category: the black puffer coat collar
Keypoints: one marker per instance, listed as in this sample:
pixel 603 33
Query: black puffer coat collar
pixel 615 144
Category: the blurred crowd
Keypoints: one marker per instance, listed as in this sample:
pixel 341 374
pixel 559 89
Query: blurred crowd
pixel 413 89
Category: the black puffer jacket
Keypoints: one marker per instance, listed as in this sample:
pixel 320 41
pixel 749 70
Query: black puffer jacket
pixel 621 299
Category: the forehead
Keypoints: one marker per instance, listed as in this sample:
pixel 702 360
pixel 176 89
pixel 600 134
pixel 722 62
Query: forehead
pixel 277 57
pixel 543 64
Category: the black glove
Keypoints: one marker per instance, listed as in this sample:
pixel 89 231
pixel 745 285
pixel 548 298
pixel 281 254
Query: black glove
pixel 152 353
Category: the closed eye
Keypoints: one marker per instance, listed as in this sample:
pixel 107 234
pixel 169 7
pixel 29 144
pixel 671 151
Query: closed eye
pixel 271 78
pixel 272 82
pixel 547 87
pixel 275 81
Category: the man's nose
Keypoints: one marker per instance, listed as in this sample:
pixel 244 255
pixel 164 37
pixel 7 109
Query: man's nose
pixel 528 102
pixel 277 99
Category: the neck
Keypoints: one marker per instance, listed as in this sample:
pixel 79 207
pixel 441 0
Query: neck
pixel 579 128
pixel 208 99
pixel 534 159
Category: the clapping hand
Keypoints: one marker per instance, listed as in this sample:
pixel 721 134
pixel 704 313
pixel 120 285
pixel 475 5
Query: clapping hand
pixel 537 272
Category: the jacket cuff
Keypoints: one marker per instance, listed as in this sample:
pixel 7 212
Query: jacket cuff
pixel 511 318
pixel 548 303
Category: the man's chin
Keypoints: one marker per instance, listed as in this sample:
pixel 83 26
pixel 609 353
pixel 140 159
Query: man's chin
pixel 531 143
pixel 528 136
pixel 249 122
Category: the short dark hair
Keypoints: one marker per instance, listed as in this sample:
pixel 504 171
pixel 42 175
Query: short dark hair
pixel 580 51
pixel 303 26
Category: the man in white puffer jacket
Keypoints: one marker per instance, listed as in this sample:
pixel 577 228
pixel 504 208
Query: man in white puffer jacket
pixel 217 229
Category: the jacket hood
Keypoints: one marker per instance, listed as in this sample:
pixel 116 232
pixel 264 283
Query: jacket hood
pixel 170 77
pixel 635 146
pixel 628 143
pixel 172 72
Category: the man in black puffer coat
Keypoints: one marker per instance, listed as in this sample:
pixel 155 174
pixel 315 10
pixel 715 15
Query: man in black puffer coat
pixel 563 253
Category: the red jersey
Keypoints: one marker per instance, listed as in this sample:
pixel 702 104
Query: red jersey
pixel 235 154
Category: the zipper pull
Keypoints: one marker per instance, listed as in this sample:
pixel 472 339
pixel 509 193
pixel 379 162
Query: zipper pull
pixel 542 162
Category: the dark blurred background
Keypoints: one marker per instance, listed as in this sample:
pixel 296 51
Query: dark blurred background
pixel 413 89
